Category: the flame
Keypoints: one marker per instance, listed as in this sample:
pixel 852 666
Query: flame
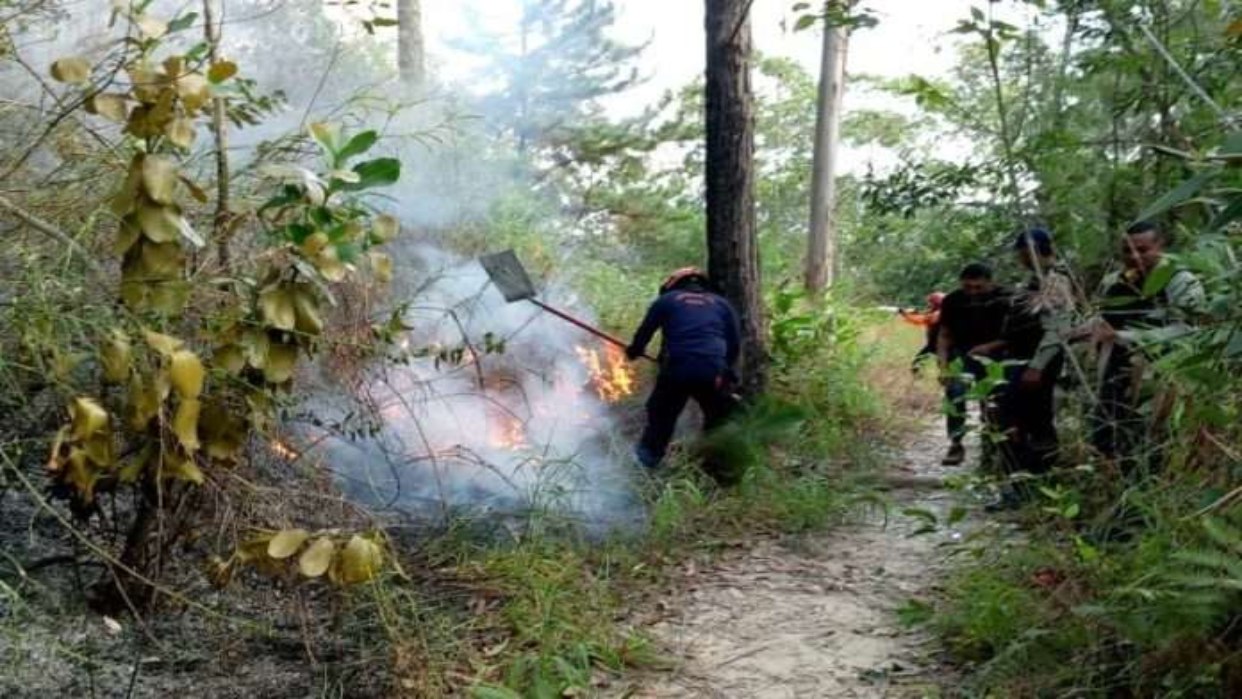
pixel 284 451
pixel 611 375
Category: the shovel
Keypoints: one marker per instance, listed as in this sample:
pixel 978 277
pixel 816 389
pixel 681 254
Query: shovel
pixel 507 273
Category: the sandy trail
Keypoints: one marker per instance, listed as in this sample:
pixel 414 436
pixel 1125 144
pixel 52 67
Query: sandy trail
pixel 817 618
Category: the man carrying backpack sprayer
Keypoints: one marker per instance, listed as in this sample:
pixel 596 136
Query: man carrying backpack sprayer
pixel 701 346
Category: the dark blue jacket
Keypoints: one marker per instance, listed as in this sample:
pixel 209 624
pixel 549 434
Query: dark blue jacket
pixel 700 331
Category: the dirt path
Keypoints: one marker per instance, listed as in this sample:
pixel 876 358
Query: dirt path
pixel 818 618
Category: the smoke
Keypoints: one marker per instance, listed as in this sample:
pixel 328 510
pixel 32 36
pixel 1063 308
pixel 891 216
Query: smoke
pixel 504 431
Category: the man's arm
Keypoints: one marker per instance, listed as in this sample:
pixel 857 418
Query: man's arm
pixel 646 331
pixel 1056 302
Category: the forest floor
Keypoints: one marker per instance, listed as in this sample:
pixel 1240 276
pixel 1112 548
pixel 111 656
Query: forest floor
pixel 817 616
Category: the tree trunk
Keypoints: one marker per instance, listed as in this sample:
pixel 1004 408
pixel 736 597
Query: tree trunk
pixel 411 51
pixel 732 247
pixel 821 255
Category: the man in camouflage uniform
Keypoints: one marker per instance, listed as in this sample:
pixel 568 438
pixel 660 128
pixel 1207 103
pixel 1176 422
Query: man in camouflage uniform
pixel 1146 304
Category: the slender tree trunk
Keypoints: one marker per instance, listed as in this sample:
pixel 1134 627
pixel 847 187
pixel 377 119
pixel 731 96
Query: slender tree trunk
pixel 732 245
pixel 411 50
pixel 222 222
pixel 821 255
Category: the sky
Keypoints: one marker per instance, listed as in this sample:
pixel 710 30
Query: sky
pixel 912 37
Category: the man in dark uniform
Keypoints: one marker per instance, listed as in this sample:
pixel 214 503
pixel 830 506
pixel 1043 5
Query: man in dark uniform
pixel 972 319
pixel 1034 349
pixel 701 345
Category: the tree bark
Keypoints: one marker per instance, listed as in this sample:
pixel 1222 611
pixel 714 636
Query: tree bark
pixel 222 225
pixel 732 245
pixel 821 255
pixel 411 50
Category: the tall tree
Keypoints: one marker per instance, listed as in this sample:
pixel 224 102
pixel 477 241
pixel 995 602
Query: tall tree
pixel 551 68
pixel 821 256
pixel 411 48
pixel 732 245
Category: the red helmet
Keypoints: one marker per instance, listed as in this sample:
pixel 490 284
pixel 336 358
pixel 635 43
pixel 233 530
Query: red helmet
pixel 681 276
pixel 934 299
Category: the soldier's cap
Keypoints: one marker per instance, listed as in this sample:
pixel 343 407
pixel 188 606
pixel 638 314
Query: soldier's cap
pixel 1038 238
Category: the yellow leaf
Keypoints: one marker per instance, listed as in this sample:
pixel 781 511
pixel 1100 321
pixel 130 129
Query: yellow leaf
pixel 184 470
pixel 229 358
pixel 276 305
pixel 162 260
pixel 1234 29
pixel 125 198
pixel 151 27
pixel 381 264
pixel 221 431
pixel 186 373
pixel 286 543
pixel 159 178
pixel 144 403
pixel 330 265
pixel 168 297
pixel 194 91
pixel 145 82
pixel 281 361
pixel 98 449
pixel 315 560
pixel 221 71
pixel 306 307
pixel 255 345
pixel 314 244
pixel 115 356
pixel 185 424
pixel 87 416
pixel 81 474
pixel 127 234
pixel 386 228
pixel 360 561
pixel 160 224
pixel 180 132
pixel 164 344
pixel 174 66
pixel 73 70
pixel 111 106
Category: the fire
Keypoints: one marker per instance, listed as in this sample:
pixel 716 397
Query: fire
pixel 611 375
pixel 284 451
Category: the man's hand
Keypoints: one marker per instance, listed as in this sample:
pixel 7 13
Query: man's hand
pixel 985 350
pixel 1031 379
pixel 1103 333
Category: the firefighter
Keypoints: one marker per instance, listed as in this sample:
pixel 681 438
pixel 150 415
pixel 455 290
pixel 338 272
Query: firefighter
pixel 700 349
pixel 929 320
pixel 972 319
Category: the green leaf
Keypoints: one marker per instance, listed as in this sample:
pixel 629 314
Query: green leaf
pixel 1232 212
pixel 357 145
pixel 1179 194
pixel 380 172
pixel 183 22
pixel 1157 280
pixel 384 22
pixel 805 22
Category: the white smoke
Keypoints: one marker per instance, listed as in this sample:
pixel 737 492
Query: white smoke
pixel 511 431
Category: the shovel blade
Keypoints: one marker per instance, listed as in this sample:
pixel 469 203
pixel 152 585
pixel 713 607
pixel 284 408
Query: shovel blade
pixel 507 273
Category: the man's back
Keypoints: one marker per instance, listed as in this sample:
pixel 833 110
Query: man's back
pixel 698 326
pixel 973 320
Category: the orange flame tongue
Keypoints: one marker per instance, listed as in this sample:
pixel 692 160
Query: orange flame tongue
pixel 611 375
